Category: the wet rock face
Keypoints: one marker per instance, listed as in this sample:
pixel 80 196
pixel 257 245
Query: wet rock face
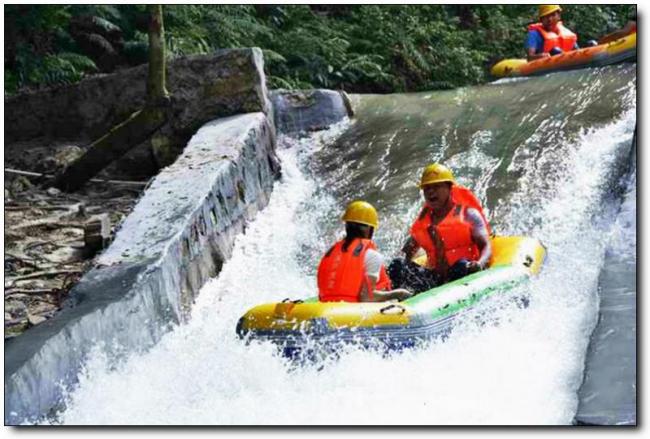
pixel 225 83
pixel 177 237
pixel 303 111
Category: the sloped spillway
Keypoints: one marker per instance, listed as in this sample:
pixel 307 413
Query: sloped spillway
pixel 546 156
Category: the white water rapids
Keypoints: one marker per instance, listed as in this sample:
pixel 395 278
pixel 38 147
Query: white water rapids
pixel 517 366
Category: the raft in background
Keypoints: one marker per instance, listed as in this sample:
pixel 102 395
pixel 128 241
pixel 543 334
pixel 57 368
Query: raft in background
pixel 621 50
pixel 294 325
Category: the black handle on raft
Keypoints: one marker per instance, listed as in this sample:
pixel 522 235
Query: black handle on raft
pixel 287 300
pixel 391 306
pixel 529 261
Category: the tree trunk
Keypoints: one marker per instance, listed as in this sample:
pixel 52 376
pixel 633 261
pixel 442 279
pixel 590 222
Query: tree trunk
pixel 156 89
pixel 138 127
pixel 117 142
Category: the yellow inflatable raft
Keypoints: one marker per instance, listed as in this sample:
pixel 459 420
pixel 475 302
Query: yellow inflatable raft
pixel 294 324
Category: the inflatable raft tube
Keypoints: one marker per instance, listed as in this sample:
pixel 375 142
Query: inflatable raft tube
pixel 294 324
pixel 617 51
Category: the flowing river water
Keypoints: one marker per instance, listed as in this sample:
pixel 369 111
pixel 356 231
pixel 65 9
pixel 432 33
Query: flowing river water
pixel 550 157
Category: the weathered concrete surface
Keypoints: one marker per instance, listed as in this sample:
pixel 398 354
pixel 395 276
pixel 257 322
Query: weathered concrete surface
pixel 608 395
pixel 222 84
pixel 178 236
pixel 304 111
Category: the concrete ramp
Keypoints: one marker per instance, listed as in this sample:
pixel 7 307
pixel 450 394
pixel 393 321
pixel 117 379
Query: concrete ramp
pixel 178 236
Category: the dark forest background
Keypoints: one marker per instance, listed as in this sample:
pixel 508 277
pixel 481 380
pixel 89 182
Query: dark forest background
pixel 357 48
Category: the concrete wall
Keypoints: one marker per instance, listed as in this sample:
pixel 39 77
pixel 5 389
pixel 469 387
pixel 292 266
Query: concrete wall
pixel 608 394
pixel 177 237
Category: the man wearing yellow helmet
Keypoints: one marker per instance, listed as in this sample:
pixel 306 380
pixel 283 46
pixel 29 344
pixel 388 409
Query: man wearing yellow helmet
pixel 452 230
pixel 549 36
pixel 353 270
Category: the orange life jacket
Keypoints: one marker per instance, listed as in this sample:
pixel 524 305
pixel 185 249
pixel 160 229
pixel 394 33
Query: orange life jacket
pixel 341 274
pixel 463 196
pixel 454 230
pixel 561 37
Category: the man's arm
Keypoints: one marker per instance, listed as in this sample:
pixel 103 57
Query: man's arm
pixel 481 238
pixel 534 46
pixel 533 55
pixel 381 296
pixel 373 263
pixel 409 248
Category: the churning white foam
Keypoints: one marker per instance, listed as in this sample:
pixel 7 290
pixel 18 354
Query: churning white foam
pixel 519 366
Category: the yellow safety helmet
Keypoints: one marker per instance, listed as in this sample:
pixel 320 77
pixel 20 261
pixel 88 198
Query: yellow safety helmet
pixel 548 9
pixel 436 173
pixel 361 212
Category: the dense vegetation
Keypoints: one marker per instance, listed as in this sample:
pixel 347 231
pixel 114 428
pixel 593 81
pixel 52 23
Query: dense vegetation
pixel 360 48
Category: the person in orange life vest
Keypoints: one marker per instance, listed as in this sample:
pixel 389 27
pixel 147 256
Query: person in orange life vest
pixel 353 270
pixel 549 36
pixel 451 228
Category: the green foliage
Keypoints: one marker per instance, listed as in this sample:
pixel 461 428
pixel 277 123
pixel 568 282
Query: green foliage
pixel 597 20
pixel 194 29
pixel 136 51
pixel 62 68
pixel 35 19
pixel 39 48
pixel 359 48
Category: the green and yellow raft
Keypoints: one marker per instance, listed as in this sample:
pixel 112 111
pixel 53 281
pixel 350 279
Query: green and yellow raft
pixel 294 324
pixel 621 50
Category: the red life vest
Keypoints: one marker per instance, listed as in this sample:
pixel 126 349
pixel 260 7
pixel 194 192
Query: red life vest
pixel 341 274
pixel 561 37
pixel 454 230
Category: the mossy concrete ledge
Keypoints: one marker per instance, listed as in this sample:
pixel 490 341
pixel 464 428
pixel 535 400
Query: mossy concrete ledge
pixel 179 234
